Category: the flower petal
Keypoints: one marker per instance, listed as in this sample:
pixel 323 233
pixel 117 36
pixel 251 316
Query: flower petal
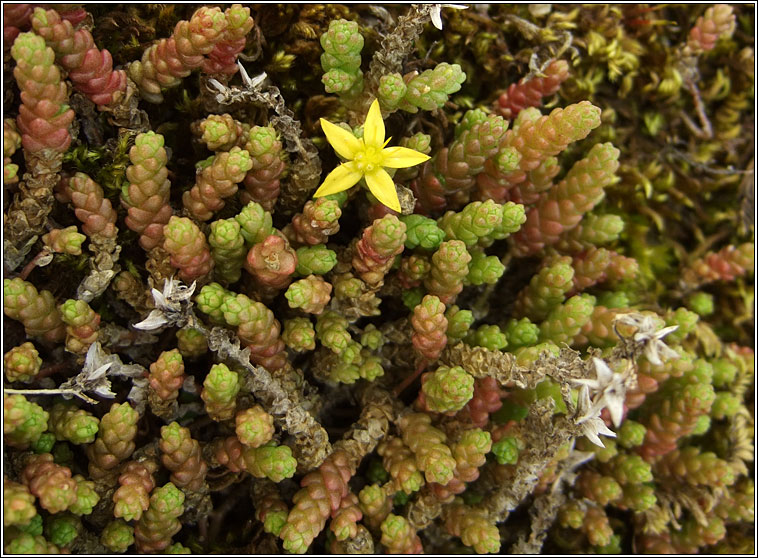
pixel 154 320
pixel 604 373
pixel 97 374
pixel 589 432
pixel 343 177
pixel 383 187
pixel 585 382
pixel 660 334
pixel 373 128
pixel 402 157
pixel 184 292
pixel 436 16
pixel 651 353
pixel 104 390
pixel 666 351
pixel 160 298
pixel 594 427
pixel 603 429
pixel 616 409
pixel 583 400
pixel 344 143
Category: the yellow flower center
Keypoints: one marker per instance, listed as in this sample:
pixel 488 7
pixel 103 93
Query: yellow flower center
pixel 369 159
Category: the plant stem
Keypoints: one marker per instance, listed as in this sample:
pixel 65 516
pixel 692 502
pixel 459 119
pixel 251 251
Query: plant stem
pixel 33 263
pixel 56 391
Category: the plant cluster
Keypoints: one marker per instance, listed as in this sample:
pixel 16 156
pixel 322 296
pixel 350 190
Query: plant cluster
pixel 365 279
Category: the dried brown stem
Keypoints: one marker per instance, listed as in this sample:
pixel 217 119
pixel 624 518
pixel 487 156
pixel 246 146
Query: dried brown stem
pixel 311 440
pixel 395 48
pixel 305 171
pixel 706 130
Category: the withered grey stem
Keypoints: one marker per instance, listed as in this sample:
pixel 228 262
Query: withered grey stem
pixel 64 391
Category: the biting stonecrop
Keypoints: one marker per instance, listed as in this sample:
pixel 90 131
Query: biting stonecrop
pixel 44 115
pixel 544 319
pixel 366 158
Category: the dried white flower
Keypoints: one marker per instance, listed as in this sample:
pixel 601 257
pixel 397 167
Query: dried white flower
pixel 251 83
pixel 436 13
pixel 656 350
pixel 225 93
pixel 170 307
pixel 96 356
pixel 609 389
pixel 92 378
pixel 592 428
pixel 648 332
pixel 589 418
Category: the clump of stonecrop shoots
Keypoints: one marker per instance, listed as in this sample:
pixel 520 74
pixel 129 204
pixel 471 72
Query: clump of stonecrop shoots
pixel 259 332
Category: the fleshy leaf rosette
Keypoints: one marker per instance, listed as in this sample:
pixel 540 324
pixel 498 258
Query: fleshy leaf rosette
pixel 147 192
pixel 167 62
pixel 89 69
pixel 44 116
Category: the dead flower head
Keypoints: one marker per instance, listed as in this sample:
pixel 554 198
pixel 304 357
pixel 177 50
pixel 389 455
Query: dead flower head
pixel 609 390
pixel 169 305
pixel 92 378
pixel 650 335
pixel 589 418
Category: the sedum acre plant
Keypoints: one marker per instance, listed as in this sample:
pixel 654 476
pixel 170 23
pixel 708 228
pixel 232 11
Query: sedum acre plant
pixel 534 334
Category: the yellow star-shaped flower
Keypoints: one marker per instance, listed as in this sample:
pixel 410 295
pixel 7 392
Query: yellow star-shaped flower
pixel 366 158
